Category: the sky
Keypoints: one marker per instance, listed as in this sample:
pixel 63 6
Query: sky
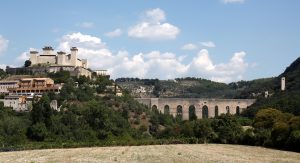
pixel 220 40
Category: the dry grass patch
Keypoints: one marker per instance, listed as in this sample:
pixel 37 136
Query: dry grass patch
pixel 155 153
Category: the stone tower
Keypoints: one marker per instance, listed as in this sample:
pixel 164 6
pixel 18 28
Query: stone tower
pixel 48 50
pixel 61 58
pixel 33 57
pixel 73 60
pixel 283 83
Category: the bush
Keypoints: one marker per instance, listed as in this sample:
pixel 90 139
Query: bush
pixel 280 134
pixel 37 132
pixel 248 137
pixel 293 141
pixel 12 131
pixel 227 128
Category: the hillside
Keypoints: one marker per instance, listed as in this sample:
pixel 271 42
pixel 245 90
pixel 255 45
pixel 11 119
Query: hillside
pixel 196 88
pixel 286 101
pixel 183 87
pixel 155 153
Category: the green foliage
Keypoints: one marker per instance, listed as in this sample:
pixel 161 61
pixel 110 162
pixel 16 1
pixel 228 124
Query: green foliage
pixel 279 134
pixel 293 141
pixel 266 118
pixel 203 130
pixel 227 128
pixel 3 74
pixel 42 112
pixel 60 77
pixel 276 129
pixel 102 82
pixel 37 132
pixel 248 137
pixel 12 131
pixel 27 63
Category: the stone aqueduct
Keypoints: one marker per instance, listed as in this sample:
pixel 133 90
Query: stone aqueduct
pixel 202 108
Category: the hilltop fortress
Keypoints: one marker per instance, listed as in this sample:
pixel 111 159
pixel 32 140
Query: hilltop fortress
pixel 61 58
pixel 49 61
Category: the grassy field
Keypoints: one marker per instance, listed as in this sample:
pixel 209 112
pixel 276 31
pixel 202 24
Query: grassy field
pixel 155 153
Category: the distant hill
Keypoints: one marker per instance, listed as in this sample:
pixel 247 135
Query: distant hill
pixel 180 87
pixel 196 88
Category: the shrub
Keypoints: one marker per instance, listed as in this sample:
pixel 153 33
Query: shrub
pixel 37 132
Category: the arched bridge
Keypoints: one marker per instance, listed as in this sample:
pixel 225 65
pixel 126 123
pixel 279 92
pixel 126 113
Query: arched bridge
pixel 187 108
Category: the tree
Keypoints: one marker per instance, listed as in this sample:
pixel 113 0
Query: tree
pixel 3 74
pixel 12 130
pixel 280 133
pixel 101 83
pixel 27 63
pixel 227 128
pixel 41 111
pixel 187 129
pixel 203 130
pixel 293 141
pixel 37 132
pixel 266 118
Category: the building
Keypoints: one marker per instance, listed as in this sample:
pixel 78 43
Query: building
pixel 101 72
pixel 5 85
pixel 22 92
pixel 50 62
pixel 17 103
pixel 41 70
pixel 23 103
pixel 48 57
pixel 36 86
pixel 283 83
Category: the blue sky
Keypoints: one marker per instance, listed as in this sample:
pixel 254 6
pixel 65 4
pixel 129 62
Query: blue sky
pixel 222 40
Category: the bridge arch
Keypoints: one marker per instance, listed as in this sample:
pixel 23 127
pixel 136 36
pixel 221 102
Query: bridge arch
pixel 227 110
pixel 204 111
pixel 238 110
pixel 192 112
pixel 179 111
pixel 216 111
pixel 154 109
pixel 167 109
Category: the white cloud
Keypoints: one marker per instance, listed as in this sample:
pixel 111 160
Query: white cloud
pixel 153 64
pixel 86 25
pixel 153 27
pixel 120 64
pixel 155 15
pixel 117 32
pixel 189 46
pixel 3 44
pixel 208 44
pixel 19 61
pixel 223 72
pixel 233 1
pixel 89 47
pixel 3 66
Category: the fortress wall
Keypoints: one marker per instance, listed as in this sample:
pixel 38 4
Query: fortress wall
pixel 46 59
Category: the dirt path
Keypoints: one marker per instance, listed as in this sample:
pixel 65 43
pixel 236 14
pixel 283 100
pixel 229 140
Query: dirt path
pixel 155 153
